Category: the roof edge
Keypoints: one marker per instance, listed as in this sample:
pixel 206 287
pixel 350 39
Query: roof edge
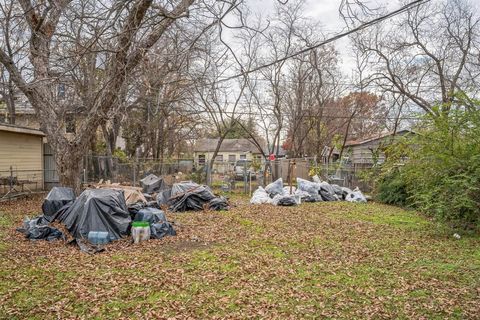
pixel 17 129
pixel 358 143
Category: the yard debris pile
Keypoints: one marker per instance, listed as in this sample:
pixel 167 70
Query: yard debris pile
pixel 97 210
pixel 55 200
pixel 132 194
pixel 38 229
pixel 109 211
pixel 188 195
pixel 306 191
pixel 159 226
pixel 152 183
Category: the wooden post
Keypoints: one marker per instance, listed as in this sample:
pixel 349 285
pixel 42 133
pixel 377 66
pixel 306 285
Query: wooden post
pixel 292 172
pixel 290 175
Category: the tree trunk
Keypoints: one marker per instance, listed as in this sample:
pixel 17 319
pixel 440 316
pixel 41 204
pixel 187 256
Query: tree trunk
pixel 108 148
pixel 217 149
pixel 10 101
pixel 69 167
pixel 346 136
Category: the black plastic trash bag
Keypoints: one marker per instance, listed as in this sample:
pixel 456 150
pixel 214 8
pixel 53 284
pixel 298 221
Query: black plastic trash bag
pixel 183 187
pixel 97 210
pixel 356 196
pixel 163 197
pixel 44 233
pixel 151 215
pixel 312 188
pixel 134 208
pixel 327 192
pixel 152 183
pixel 56 199
pixel 191 196
pixel 338 191
pixel 38 229
pixel 218 203
pixel 285 200
pixel 159 226
pixel 161 229
pixel 345 192
pixel 274 188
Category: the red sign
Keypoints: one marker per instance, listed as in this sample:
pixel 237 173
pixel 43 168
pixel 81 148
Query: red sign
pixel 271 157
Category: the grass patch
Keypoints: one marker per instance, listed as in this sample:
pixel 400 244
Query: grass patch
pixel 322 260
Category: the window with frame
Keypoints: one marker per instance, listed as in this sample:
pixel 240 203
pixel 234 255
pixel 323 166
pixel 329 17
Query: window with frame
pixel 219 158
pixel 201 159
pixel 70 123
pixel 232 158
pixel 243 157
pixel 61 90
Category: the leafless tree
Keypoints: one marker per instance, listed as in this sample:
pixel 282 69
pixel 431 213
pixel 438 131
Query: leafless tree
pixel 426 54
pixel 91 47
pixel 12 32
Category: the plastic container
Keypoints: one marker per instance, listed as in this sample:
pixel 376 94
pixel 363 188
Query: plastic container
pixel 98 237
pixel 140 231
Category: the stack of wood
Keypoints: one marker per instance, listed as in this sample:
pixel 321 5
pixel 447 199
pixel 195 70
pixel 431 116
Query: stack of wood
pixel 132 194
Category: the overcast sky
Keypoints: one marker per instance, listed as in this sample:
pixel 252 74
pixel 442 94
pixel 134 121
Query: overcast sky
pixel 325 12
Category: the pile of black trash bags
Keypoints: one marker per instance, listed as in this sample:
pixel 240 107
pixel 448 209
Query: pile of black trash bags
pixel 105 210
pixel 305 191
pixel 94 210
pixel 188 195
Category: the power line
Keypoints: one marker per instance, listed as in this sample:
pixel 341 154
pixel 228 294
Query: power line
pixel 194 112
pixel 332 39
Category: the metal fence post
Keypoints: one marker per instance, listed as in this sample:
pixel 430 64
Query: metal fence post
pixel 208 175
pixel 245 180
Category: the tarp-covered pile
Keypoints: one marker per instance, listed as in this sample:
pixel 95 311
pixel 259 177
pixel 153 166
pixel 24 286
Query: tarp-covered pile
pixel 55 200
pixel 38 229
pixel 152 183
pixel 189 195
pixel 306 191
pixel 97 210
pixel 159 226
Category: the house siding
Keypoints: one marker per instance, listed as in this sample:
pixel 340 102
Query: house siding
pixel 23 154
pixel 361 155
pixel 225 165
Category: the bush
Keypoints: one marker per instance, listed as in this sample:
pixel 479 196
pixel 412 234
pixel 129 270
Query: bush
pixel 438 169
pixel 392 189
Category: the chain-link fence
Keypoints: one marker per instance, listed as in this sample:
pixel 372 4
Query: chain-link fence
pixel 305 168
pixel 15 182
pixel 226 176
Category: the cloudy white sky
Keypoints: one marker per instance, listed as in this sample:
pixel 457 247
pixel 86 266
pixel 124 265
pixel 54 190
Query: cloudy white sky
pixel 325 12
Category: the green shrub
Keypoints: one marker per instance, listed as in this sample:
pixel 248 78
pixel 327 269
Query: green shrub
pixel 438 169
pixel 392 189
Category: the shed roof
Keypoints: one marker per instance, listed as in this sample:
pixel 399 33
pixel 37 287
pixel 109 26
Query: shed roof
pixel 17 129
pixel 378 136
pixel 228 145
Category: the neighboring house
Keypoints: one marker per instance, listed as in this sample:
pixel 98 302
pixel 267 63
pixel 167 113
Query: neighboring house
pixel 21 158
pixel 24 113
pixel 365 153
pixel 230 152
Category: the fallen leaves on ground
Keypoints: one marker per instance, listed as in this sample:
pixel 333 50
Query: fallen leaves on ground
pixel 335 260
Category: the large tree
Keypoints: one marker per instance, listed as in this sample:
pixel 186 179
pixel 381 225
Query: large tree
pixel 426 54
pixel 89 48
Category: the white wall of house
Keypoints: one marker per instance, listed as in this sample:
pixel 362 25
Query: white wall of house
pixel 224 160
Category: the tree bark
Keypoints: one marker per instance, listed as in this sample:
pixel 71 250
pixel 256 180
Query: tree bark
pixel 69 167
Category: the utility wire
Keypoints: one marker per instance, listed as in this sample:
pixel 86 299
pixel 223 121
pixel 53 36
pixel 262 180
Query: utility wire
pixel 332 39
pixel 194 112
